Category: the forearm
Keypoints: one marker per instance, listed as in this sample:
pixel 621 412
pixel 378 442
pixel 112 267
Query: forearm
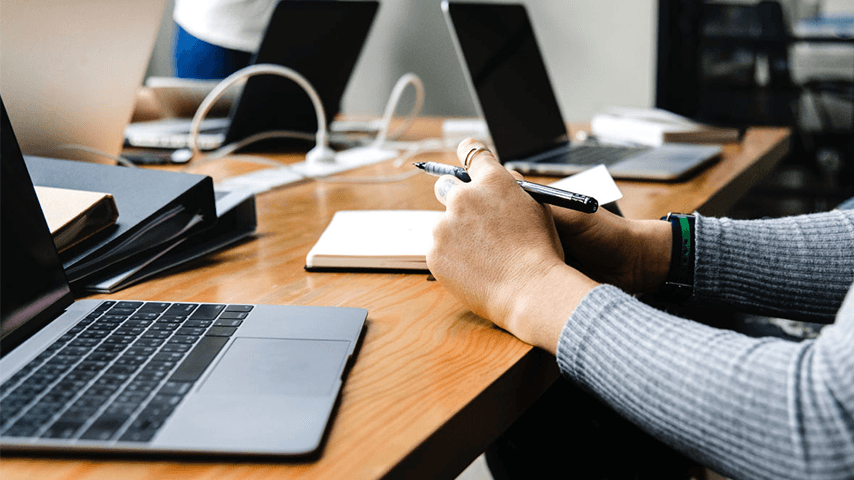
pixel 795 267
pixel 748 408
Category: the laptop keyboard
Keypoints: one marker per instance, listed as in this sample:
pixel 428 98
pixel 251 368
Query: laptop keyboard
pixel 596 154
pixel 119 373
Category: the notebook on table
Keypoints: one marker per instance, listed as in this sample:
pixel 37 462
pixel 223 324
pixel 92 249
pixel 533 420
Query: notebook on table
pixel 501 60
pixel 398 240
pixel 319 39
pixel 153 377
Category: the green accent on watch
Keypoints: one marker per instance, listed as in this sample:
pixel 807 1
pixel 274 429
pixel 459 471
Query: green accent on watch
pixel 679 285
pixel 686 231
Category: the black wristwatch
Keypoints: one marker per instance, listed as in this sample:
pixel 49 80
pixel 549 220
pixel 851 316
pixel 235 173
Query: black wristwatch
pixel 679 285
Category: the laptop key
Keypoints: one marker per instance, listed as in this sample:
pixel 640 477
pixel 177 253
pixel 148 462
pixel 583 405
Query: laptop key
pixel 221 331
pixel 198 359
pixel 139 434
pixel 239 308
pixel 105 426
pixel 154 307
pixel 190 331
pixel 181 309
pixel 22 428
pixel 167 357
pixel 227 322
pixel 84 342
pixel 175 388
pixel 197 323
pixel 105 306
pixel 184 339
pixel 127 304
pixel 63 428
pixel 207 312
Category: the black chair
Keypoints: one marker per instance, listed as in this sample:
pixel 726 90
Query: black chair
pixel 729 64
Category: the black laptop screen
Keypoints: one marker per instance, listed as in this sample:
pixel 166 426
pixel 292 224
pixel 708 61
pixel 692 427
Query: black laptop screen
pixel 509 78
pixel 321 40
pixel 34 286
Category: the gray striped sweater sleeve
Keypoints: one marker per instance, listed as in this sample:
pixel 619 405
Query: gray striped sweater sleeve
pixel 745 407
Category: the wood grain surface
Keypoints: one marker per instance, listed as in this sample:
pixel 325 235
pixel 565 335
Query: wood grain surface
pixel 432 384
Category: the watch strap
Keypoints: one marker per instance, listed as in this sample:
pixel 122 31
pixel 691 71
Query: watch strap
pixel 679 285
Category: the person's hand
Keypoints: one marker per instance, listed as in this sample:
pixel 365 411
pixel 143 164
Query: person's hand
pixel 631 254
pixel 496 249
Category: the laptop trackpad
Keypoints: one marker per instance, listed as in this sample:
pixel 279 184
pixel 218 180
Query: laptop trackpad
pixel 274 366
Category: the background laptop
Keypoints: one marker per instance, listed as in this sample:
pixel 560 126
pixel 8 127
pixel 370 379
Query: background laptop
pixel 70 71
pixel 321 40
pixel 148 377
pixel 505 70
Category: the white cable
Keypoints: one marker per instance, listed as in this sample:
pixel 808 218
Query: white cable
pixel 417 148
pixel 321 151
pixel 94 151
pixel 391 106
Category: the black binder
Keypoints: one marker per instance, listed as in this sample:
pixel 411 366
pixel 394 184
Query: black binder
pixel 156 210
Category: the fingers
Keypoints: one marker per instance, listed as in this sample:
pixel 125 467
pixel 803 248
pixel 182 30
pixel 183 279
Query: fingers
pixel 476 157
pixel 444 186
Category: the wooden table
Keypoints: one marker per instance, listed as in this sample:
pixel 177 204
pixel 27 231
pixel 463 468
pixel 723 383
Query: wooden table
pixel 433 384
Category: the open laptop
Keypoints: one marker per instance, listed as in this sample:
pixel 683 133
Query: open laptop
pixel 505 70
pixel 153 377
pixel 319 39
pixel 70 71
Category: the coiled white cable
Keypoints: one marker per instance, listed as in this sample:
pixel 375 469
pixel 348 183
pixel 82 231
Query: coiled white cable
pixel 391 106
pixel 321 151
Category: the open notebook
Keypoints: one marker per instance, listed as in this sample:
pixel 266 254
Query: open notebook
pixel 381 240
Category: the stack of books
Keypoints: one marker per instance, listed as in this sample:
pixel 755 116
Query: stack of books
pixel 654 127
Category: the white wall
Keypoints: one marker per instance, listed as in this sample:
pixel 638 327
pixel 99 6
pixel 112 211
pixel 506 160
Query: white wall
pixel 598 52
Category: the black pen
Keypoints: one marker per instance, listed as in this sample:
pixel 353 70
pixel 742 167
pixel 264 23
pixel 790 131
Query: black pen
pixel 540 193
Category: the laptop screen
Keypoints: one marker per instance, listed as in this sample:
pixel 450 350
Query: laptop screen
pixel 509 77
pixel 321 40
pixel 34 286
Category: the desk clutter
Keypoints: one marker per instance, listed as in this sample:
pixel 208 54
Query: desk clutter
pixel 146 222
pixel 655 127
pixel 75 215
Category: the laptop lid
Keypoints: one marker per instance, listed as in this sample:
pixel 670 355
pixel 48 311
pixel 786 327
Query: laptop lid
pixel 70 71
pixel 508 77
pixel 321 40
pixel 35 290
pixel 499 52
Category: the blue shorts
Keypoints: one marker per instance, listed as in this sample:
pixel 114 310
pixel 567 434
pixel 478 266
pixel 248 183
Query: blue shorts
pixel 194 58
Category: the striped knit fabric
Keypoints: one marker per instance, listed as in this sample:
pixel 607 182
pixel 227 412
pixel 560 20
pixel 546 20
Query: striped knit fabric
pixel 745 407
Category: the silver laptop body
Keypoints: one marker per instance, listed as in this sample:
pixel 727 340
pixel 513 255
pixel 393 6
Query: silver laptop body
pixel 71 70
pixel 153 377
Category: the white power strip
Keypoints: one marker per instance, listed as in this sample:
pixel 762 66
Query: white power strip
pixel 264 180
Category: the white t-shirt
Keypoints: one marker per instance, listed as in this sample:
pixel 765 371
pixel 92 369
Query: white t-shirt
pixel 234 24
